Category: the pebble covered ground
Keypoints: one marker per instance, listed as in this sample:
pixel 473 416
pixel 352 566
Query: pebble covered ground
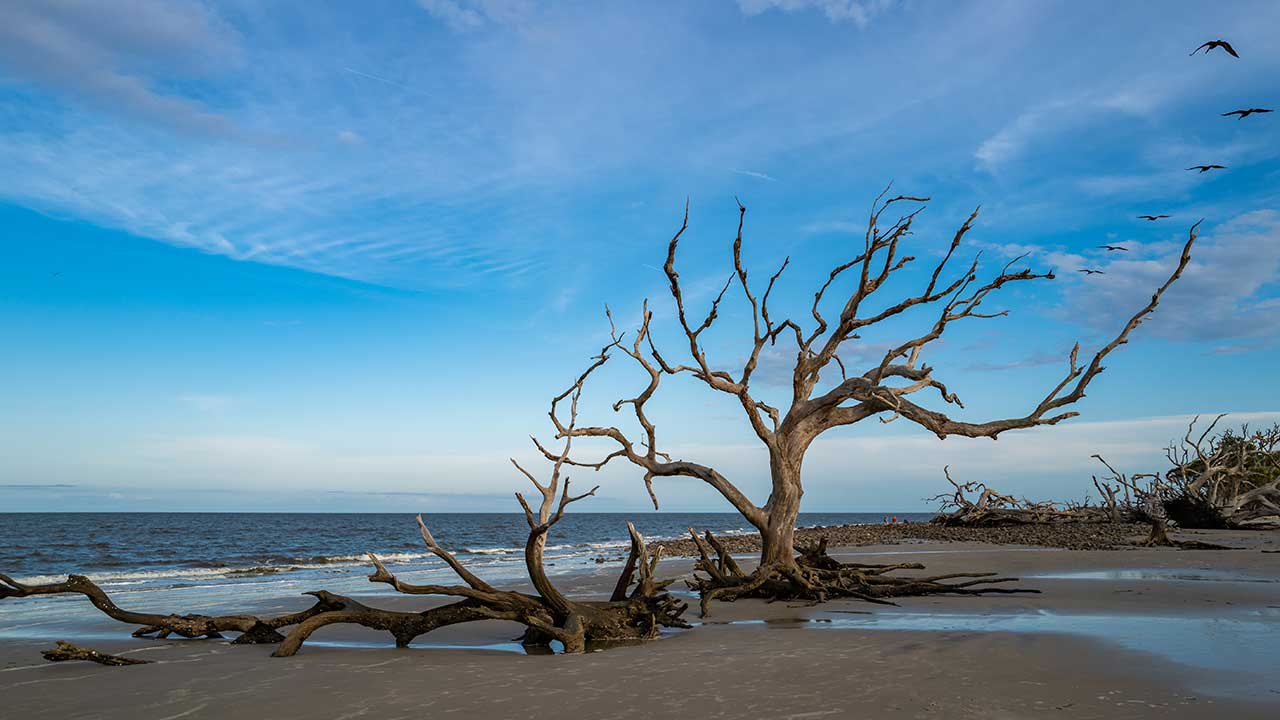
pixel 1072 536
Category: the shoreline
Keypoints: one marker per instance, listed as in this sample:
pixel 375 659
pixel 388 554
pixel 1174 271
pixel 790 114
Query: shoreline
pixel 1112 634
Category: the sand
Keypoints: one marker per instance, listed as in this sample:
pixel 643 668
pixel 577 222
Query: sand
pixel 1135 633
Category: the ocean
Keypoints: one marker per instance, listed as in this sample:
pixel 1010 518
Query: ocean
pixel 187 562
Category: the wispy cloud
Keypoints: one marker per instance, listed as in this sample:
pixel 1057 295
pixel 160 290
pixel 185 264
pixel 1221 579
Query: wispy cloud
pixel 1038 358
pixel 376 78
pixel 206 403
pixel 1220 297
pixel 471 14
pixel 103 54
pixel 859 12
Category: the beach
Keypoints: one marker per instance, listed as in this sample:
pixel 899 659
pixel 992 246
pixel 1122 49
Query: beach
pixel 1139 633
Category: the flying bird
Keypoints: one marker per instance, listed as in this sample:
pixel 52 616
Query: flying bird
pixel 1209 46
pixel 1113 248
pixel 1152 218
pixel 1247 112
pixel 1207 168
pixel 1091 272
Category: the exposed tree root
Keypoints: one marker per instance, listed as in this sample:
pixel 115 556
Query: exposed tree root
pixel 66 651
pixel 817 577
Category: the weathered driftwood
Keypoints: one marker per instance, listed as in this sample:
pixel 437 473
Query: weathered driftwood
pixel 66 651
pixel 252 629
pixel 886 389
pixel 1124 499
pixel 974 504
pixel 638 609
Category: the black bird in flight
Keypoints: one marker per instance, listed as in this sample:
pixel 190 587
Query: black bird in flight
pixel 1152 218
pixel 1113 248
pixel 1209 46
pixel 1091 272
pixel 1207 168
pixel 1246 113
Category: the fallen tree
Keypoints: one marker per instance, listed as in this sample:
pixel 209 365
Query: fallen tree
pixel 1229 480
pixel 1125 499
pixel 885 390
pixel 1225 480
pixel 637 610
pixel 974 504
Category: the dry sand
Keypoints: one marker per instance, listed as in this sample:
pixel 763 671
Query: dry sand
pixel 1135 633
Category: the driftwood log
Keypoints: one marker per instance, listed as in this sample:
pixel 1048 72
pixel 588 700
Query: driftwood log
pixel 65 651
pixel 826 393
pixel 638 609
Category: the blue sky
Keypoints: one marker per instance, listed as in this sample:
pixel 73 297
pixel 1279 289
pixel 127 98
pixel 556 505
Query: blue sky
pixel 305 256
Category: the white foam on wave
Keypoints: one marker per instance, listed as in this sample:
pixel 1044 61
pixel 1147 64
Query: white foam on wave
pixel 140 577
pixel 166 577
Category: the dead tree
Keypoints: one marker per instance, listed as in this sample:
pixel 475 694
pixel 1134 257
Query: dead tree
pixel 886 389
pixel 994 509
pixel 1143 499
pixel 637 610
pixel 1230 479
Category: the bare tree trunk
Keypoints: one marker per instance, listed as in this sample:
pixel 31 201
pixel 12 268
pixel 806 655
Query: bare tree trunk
pixel 778 535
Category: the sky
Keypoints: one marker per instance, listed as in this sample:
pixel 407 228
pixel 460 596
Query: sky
pixel 298 256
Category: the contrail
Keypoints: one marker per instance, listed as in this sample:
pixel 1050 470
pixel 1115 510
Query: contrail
pixel 760 175
pixel 375 77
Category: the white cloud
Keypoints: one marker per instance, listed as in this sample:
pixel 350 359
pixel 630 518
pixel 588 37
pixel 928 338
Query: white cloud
pixel 1219 297
pixel 105 54
pixel 249 461
pixel 874 467
pixel 453 14
pixel 758 175
pixel 471 14
pixel 860 12
pixel 1010 140
pixel 349 137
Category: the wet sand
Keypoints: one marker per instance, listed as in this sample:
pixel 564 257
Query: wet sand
pixel 1138 633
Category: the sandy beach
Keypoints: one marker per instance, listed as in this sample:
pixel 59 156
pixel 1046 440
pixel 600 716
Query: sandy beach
pixel 1136 633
